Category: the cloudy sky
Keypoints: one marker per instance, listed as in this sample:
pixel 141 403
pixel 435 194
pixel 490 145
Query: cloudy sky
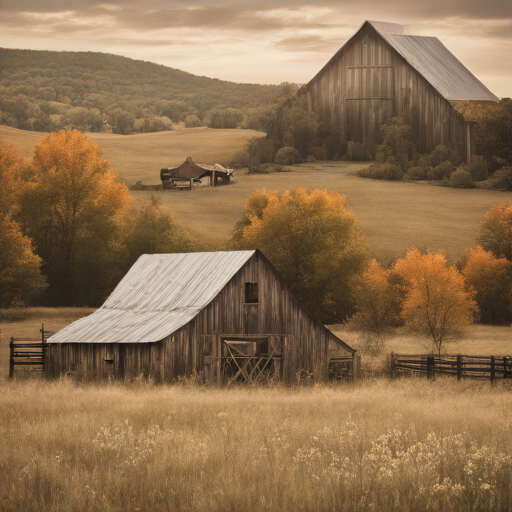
pixel 262 41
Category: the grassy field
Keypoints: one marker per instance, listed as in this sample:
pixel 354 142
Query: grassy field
pixel 140 157
pixel 406 445
pixel 394 215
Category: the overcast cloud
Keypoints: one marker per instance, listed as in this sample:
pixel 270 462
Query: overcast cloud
pixel 263 41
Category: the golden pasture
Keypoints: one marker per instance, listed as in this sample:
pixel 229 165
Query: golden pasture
pixel 394 215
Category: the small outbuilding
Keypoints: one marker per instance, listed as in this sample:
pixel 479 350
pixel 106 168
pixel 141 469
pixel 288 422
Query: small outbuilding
pixel 222 317
pixel 190 175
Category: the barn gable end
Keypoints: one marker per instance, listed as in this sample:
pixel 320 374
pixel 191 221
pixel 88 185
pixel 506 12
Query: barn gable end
pixel 245 307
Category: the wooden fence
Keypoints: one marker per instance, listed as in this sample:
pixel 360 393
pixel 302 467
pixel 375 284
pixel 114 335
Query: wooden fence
pixel 477 367
pixel 28 353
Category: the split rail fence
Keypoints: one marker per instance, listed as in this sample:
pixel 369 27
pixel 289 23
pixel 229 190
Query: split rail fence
pixel 28 353
pixel 461 366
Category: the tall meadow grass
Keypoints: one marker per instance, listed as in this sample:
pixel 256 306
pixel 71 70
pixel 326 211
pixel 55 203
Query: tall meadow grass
pixel 381 446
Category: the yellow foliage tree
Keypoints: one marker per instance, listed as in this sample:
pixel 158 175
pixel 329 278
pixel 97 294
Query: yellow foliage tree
pixel 313 241
pixel 437 301
pixel 10 168
pixel 20 276
pixel 491 278
pixel 376 300
pixel 69 209
pixel 496 230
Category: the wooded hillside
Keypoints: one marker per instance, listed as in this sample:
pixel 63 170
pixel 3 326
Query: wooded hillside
pixel 47 90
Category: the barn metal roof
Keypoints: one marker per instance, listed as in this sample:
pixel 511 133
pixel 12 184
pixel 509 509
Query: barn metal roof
pixel 432 60
pixel 158 295
pixel 435 63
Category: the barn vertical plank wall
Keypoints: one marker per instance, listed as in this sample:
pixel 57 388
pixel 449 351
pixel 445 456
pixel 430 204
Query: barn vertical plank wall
pixel 367 82
pixel 195 350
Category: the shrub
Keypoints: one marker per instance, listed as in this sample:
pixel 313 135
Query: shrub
pixel 478 169
pixel 500 180
pixel 192 121
pixel 416 173
pixel 443 170
pixel 287 156
pixel 317 153
pixel 441 154
pixel 460 179
pixel 383 154
pixel 387 171
pixel 266 169
pixel 240 159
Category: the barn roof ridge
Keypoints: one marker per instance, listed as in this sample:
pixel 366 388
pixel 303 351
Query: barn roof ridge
pixel 431 59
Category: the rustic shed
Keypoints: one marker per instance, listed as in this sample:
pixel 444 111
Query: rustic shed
pixel 223 316
pixel 381 72
pixel 190 175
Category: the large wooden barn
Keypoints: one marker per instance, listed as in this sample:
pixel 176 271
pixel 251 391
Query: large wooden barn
pixel 190 175
pixel 380 73
pixel 224 317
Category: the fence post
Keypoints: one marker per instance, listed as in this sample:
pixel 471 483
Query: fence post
pixel 11 358
pixel 392 368
pixel 431 365
pixel 356 365
pixel 459 367
pixel 493 369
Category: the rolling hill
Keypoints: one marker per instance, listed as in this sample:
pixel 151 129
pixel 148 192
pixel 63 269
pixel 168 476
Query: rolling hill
pixel 36 87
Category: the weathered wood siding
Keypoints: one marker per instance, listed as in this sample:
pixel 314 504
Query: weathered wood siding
pixel 196 347
pixel 368 82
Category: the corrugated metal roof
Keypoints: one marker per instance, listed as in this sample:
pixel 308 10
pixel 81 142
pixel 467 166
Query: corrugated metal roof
pixel 435 63
pixel 158 295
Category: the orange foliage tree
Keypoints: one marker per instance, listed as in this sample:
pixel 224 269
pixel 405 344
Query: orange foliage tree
pixel 491 278
pixel 69 209
pixel 437 301
pixel 313 241
pixel 376 299
pixel 496 231
pixel 20 275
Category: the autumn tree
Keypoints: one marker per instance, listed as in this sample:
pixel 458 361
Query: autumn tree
pixel 149 227
pixel 496 231
pixel 491 278
pixel 313 241
pixel 437 301
pixel 69 209
pixel 376 300
pixel 20 274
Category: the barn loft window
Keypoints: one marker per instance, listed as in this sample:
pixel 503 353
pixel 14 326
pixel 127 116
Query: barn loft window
pixel 365 50
pixel 251 293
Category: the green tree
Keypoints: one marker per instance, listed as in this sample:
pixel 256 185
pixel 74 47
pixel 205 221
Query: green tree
pixel 313 241
pixel 149 227
pixel 437 301
pixel 69 209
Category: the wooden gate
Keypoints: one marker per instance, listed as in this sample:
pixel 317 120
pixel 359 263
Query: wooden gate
pixel 28 353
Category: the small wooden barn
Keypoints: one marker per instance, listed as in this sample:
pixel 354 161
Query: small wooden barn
pixel 381 72
pixel 190 175
pixel 225 317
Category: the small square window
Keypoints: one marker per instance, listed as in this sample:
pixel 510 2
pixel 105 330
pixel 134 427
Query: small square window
pixel 251 293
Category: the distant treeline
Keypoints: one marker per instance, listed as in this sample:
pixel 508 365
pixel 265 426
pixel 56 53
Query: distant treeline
pixel 89 91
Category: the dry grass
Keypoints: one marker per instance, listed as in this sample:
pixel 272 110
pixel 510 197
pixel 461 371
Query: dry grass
pixel 140 157
pixel 407 445
pixel 394 215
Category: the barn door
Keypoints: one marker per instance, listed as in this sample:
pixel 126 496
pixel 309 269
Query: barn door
pixel 251 360
pixel 369 101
